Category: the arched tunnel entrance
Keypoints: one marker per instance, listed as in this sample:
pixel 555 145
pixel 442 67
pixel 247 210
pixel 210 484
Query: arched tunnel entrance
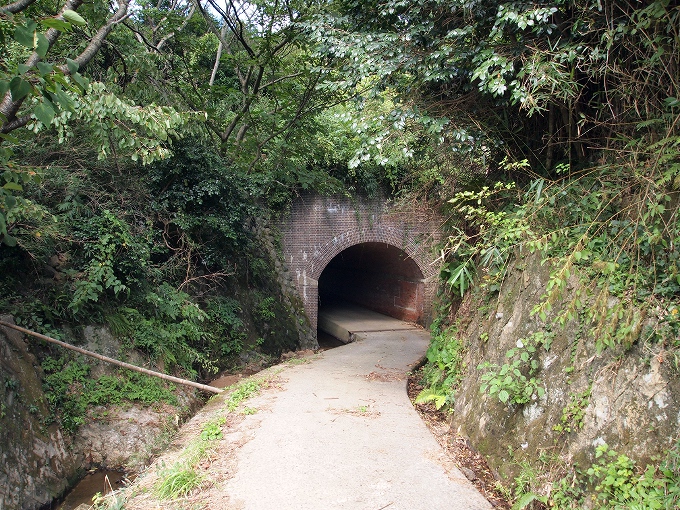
pixel 376 276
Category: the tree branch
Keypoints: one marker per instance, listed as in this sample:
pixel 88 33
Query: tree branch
pixel 9 108
pixel 140 37
pixel 96 42
pixel 169 36
pixel 280 79
pixel 16 123
pixel 249 98
pixel 298 115
pixel 235 27
pixel 218 56
pixel 15 7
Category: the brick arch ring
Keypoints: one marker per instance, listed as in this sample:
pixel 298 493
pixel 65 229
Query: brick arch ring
pixel 388 235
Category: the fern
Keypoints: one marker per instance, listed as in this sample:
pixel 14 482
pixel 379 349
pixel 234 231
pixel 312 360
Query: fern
pixel 432 394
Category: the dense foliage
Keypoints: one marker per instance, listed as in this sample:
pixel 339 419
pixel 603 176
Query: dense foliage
pixel 140 143
pixel 110 216
pixel 557 81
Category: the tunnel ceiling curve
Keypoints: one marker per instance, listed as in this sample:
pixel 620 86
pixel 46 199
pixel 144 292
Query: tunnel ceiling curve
pixel 378 276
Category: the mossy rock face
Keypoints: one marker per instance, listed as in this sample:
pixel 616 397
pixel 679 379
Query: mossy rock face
pixel 38 464
pixel 626 398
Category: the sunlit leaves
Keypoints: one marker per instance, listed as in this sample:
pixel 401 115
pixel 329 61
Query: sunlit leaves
pixel 46 93
pixel 74 17
pixel 511 14
pixel 139 132
pixel 459 277
pixel 35 79
pixel 56 23
pixel 492 71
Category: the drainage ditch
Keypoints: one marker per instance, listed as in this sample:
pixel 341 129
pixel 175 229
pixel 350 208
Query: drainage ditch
pixel 105 481
pixel 99 482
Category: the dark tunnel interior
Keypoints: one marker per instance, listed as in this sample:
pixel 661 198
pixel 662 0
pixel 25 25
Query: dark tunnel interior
pixel 377 276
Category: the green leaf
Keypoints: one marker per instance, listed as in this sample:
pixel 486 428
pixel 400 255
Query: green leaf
pixel 10 138
pixel 527 499
pixel 19 88
pixel 4 87
pixel 74 17
pixel 44 68
pixel 503 396
pixel 72 66
pixel 44 113
pixel 462 276
pixel 9 240
pixel 10 202
pixel 25 34
pixel 57 24
pixel 42 45
pixel 13 186
pixel 23 68
pixel 64 100
pixel 80 80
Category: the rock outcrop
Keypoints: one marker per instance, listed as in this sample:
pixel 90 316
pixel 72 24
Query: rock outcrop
pixel 36 461
pixel 626 397
pixel 39 462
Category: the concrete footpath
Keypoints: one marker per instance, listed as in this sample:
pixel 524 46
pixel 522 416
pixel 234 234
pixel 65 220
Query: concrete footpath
pixel 340 433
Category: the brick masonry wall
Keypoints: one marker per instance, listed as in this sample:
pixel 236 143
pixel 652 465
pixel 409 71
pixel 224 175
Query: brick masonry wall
pixel 317 229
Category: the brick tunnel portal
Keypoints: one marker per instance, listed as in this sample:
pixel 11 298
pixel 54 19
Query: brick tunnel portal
pixel 367 251
pixel 377 276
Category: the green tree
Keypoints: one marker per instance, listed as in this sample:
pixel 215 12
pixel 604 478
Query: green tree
pixel 247 65
pixel 552 81
pixel 43 88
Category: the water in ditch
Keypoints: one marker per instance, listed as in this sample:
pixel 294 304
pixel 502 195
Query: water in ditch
pixel 105 481
pixel 102 482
